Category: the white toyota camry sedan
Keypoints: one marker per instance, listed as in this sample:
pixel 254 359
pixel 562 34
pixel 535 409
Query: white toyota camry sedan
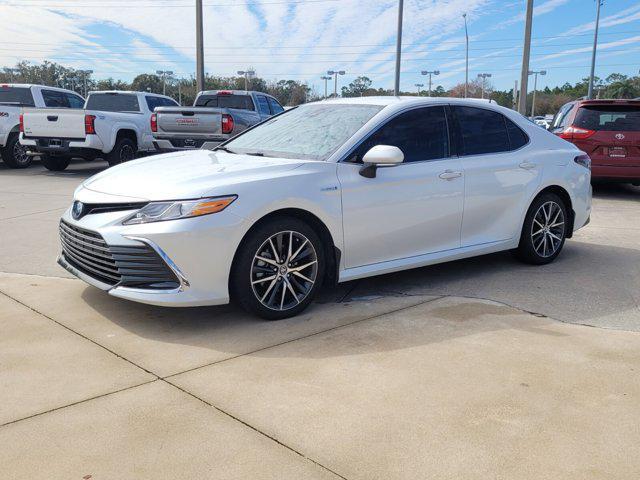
pixel 326 192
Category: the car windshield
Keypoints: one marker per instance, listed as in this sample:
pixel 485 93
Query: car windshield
pixel 18 95
pixel 613 118
pixel 310 132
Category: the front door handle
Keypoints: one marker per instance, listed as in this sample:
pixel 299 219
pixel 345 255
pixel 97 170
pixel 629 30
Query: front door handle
pixel 527 165
pixel 450 175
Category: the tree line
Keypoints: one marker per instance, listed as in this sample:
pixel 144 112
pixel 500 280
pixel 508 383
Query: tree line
pixel 293 92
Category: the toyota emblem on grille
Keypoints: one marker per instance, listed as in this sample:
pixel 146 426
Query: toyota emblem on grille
pixel 78 210
pixel 620 136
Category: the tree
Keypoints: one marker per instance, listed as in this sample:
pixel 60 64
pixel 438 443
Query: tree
pixel 147 83
pixel 357 88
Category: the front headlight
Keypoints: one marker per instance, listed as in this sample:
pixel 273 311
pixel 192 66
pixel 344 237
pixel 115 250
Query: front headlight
pixel 172 210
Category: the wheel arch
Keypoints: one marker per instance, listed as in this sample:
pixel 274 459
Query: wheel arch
pixel 125 132
pixel 564 195
pixel 332 252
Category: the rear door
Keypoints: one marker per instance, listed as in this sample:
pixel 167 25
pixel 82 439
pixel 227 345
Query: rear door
pixel 501 174
pixel 615 140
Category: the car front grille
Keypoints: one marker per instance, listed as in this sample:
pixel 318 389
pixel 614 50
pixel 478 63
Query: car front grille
pixel 137 266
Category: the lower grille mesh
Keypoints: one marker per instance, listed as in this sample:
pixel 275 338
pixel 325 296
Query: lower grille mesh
pixel 131 266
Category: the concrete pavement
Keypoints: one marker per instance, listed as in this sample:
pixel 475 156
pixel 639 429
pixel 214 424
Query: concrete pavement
pixel 481 368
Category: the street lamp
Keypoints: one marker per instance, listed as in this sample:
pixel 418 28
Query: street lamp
pixel 335 73
pixel 326 79
pixel 247 75
pixel 84 74
pixel 164 74
pixel 466 70
pixel 419 85
pixel 484 77
pixel 535 86
pixel 432 72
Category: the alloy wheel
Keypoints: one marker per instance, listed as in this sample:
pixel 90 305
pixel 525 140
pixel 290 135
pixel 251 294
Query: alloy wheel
pixel 20 154
pixel 547 229
pixel 284 270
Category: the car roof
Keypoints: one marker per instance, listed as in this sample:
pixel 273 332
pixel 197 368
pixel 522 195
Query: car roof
pixel 389 100
pixel 31 85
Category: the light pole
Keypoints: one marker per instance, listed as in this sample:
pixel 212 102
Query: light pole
pixel 396 88
pixel 535 86
pixel 335 73
pixel 526 51
pixel 247 75
pixel 419 85
pixel 466 70
pixel 484 77
pixel 164 74
pixel 199 48
pixel 326 79
pixel 84 78
pixel 432 72
pixel 595 46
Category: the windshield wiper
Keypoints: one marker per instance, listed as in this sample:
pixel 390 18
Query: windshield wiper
pixel 225 149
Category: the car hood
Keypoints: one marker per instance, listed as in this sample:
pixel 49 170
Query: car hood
pixel 184 175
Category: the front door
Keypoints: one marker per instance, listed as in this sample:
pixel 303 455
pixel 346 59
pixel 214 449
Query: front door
pixel 410 209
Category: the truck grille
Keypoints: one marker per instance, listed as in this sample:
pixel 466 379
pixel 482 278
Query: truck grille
pixel 131 266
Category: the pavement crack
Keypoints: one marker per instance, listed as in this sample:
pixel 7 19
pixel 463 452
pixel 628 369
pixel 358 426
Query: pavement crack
pixel 78 402
pixel 255 429
pixel 372 317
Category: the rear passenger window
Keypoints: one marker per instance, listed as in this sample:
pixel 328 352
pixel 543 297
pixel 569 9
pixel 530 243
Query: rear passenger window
pixel 482 131
pixel 75 101
pixel 421 134
pixel 517 138
pixel 54 99
pixel 275 106
pixel 263 105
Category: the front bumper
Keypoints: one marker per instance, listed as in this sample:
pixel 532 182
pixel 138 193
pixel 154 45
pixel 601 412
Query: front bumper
pixel 198 250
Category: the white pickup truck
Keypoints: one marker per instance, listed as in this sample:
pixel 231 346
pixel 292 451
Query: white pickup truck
pixel 114 125
pixel 13 98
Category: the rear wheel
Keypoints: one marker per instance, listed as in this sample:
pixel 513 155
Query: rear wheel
pixel 14 154
pixel 544 230
pixel 55 163
pixel 278 269
pixel 123 151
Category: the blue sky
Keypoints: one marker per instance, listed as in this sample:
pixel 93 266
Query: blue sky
pixel 301 39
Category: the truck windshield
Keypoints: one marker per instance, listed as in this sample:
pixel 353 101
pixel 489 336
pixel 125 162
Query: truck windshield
pixel 18 95
pixel 310 132
pixel 613 118
pixel 113 102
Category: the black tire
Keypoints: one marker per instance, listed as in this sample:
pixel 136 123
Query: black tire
pixel 123 151
pixel 264 298
pixel 539 242
pixel 55 163
pixel 14 153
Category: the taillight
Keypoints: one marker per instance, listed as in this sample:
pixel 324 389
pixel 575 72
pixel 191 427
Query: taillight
pixel 89 124
pixel 227 123
pixel 575 133
pixel 21 123
pixel 154 122
pixel 583 160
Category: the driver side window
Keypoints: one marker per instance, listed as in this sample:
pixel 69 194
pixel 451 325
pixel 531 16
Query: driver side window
pixel 421 134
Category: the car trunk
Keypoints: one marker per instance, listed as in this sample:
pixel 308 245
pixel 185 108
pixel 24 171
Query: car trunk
pixel 615 137
pixel 54 123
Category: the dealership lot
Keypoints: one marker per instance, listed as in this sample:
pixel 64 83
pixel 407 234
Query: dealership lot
pixel 478 369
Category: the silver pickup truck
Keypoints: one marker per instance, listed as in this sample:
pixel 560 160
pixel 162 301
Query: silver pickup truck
pixel 216 116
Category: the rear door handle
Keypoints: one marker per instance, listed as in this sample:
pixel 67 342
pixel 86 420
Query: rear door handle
pixel 527 165
pixel 450 175
pixel 52 118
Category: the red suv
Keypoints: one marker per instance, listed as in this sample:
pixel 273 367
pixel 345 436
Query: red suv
pixel 607 130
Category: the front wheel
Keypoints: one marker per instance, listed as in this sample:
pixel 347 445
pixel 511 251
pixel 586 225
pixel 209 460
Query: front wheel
pixel 14 154
pixel 55 164
pixel 544 230
pixel 278 269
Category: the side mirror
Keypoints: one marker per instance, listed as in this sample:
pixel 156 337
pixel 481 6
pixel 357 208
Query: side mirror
pixel 380 156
